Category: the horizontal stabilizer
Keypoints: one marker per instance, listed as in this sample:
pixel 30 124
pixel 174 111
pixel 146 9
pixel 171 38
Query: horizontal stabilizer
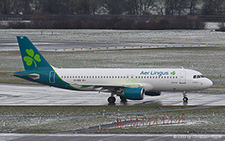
pixel 32 76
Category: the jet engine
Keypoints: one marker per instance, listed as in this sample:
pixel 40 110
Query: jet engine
pixel 133 93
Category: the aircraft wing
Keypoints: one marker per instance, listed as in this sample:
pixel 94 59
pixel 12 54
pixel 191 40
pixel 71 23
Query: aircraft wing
pixel 108 87
pixel 111 85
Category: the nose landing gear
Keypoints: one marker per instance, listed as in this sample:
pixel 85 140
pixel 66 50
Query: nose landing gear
pixel 185 99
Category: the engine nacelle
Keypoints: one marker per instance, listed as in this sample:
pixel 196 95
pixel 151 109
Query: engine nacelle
pixel 152 93
pixel 134 93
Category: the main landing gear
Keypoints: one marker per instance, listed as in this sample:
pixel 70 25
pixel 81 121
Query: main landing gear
pixel 185 99
pixel 111 99
pixel 123 99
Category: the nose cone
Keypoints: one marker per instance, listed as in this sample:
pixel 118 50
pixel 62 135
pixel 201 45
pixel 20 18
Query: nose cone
pixel 209 83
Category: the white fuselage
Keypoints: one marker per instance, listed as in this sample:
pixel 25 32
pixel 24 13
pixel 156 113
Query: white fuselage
pixel 148 79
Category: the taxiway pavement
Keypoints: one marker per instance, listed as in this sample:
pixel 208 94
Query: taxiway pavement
pixel 110 137
pixel 17 94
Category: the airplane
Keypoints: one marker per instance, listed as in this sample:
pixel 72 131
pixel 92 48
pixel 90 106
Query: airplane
pixel 128 83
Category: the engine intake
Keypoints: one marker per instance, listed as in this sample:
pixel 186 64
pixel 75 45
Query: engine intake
pixel 133 93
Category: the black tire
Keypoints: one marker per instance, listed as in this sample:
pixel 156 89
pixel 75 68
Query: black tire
pixel 185 99
pixel 111 99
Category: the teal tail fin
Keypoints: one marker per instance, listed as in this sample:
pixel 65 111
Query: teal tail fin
pixel 32 58
pixel 37 69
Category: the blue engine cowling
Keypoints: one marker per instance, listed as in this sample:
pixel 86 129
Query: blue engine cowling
pixel 134 93
pixel 152 93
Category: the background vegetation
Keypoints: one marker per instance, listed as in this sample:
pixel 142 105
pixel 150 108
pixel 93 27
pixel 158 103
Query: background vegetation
pixel 108 14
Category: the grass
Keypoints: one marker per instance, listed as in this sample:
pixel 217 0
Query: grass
pixel 74 110
pixel 28 123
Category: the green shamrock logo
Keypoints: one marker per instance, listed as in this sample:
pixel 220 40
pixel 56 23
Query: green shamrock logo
pixel 31 58
pixel 173 73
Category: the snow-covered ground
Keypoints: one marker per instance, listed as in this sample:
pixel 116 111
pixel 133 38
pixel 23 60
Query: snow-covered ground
pixel 149 36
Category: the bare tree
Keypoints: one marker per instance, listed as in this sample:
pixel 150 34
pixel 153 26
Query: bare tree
pixel 5 7
pixel 145 6
pixel 84 7
pixel 55 6
pixel 213 7
pixel 131 7
pixel 159 7
pixel 193 7
pixel 175 7
pixel 115 7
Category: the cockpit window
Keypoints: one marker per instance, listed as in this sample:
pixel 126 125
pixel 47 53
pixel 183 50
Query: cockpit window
pixel 198 76
pixel 202 76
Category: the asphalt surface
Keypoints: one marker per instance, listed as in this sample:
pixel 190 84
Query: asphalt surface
pixel 110 137
pixel 17 94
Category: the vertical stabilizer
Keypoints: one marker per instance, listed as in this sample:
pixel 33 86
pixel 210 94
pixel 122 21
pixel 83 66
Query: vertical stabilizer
pixel 31 57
